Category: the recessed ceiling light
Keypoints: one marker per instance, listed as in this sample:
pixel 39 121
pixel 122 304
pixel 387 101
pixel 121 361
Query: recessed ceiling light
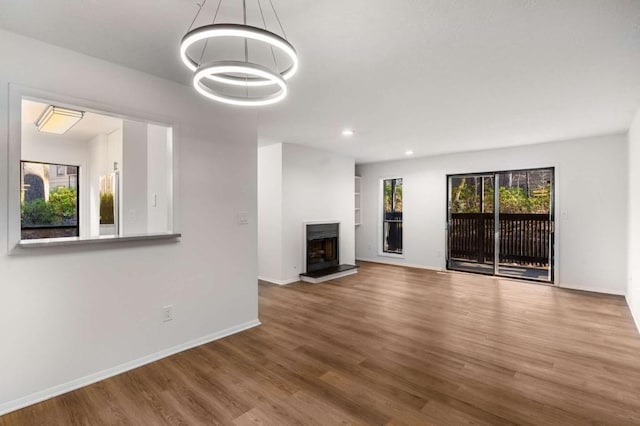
pixel 347 132
pixel 408 152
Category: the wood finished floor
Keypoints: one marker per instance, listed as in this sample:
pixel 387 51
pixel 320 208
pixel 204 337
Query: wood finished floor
pixel 389 345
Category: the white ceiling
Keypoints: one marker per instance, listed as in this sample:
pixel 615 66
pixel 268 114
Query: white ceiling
pixel 89 127
pixel 434 76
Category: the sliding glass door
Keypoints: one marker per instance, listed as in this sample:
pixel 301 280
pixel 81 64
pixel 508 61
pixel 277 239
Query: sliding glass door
pixel 506 232
pixel 471 213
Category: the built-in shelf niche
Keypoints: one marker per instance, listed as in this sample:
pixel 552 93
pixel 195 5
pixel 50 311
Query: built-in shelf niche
pixel 357 200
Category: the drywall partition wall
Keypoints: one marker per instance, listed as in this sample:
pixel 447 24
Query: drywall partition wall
pixel 296 185
pixel 317 186
pixel 633 290
pixel 72 315
pixel 158 178
pixel 133 177
pixel 105 153
pixel 97 167
pixel 270 212
pixel 115 152
pixel 591 210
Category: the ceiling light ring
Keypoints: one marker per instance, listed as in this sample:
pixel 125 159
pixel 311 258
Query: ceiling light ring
pixel 218 68
pixel 239 31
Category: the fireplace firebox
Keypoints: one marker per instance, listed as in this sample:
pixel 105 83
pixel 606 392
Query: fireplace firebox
pixel 322 246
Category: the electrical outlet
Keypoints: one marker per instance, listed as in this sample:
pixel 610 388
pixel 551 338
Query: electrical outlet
pixel 243 218
pixel 167 313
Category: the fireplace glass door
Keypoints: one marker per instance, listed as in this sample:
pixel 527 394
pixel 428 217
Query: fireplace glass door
pixel 322 246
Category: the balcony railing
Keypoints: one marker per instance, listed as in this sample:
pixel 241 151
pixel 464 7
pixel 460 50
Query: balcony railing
pixel 524 238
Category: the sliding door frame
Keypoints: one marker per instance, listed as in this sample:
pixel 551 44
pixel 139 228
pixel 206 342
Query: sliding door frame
pixel 496 210
pixel 448 205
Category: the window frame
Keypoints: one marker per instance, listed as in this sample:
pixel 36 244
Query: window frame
pixel 16 94
pixel 381 219
pixel 78 204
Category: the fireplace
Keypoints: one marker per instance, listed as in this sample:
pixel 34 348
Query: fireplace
pixel 322 246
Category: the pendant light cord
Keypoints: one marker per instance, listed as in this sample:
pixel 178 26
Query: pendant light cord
pixel 200 7
pixel 213 21
pixel 216 14
pixel 264 23
pixel 244 21
pixel 246 46
pixel 244 15
pixel 278 19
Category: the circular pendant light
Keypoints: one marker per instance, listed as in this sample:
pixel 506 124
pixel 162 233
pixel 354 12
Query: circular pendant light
pixel 211 75
pixel 238 31
pixel 223 68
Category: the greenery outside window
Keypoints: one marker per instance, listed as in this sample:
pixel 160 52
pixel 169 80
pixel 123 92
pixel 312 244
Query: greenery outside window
pixel 49 200
pixel 392 216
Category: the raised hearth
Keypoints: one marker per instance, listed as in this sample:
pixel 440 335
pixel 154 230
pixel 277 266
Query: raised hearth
pixel 329 273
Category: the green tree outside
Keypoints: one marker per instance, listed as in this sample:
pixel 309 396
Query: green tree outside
pixel 466 198
pixel 62 206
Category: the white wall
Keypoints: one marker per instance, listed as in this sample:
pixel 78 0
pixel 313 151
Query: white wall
pixel 115 152
pixel 74 314
pixel 591 210
pixel 270 212
pixel 104 151
pixel 97 157
pixel 158 178
pixel 316 186
pixel 633 290
pixel 133 177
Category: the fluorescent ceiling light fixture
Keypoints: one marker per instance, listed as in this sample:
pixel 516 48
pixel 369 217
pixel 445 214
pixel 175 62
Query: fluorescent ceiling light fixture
pixel 58 120
pixel 408 152
pixel 347 132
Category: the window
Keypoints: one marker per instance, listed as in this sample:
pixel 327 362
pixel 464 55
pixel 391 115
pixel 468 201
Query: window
pixel 105 176
pixel 392 216
pixel 48 201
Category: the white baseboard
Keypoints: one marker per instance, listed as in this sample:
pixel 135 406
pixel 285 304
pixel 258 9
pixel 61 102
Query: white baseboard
pixel 279 282
pixel 591 289
pixel 54 391
pixel 400 263
pixel 566 286
pixel 636 318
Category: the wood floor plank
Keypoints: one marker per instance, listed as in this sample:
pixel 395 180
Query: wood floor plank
pixel 389 345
